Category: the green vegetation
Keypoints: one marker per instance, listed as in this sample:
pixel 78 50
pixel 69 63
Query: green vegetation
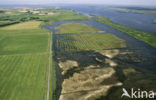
pixel 137 10
pixel 21 80
pixel 5 23
pixel 147 37
pixel 49 14
pixel 23 59
pixel 23 26
pixel 12 42
pixel 128 71
pixel 89 41
pixel 154 21
pixel 76 28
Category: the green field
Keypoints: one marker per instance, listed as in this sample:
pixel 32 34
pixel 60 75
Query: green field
pixel 147 37
pixel 12 42
pixel 23 61
pixel 21 80
pixel 76 28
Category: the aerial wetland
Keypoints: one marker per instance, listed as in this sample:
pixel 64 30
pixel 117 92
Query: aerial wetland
pixel 59 54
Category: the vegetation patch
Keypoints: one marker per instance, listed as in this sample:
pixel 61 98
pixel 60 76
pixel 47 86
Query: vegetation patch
pixel 23 26
pixel 128 71
pixel 147 37
pixel 76 28
pixel 154 21
pixel 67 65
pixel 89 41
pixel 87 85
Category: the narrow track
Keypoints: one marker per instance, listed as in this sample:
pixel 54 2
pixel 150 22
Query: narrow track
pixel 49 68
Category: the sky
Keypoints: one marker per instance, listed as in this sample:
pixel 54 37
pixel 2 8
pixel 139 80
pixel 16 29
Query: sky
pixel 110 2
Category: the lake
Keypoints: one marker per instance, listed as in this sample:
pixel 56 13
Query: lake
pixel 138 21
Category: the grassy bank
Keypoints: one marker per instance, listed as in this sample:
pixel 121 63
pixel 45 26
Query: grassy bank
pixel 147 37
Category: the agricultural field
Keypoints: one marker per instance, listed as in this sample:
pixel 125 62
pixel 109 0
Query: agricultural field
pixel 20 78
pixel 147 37
pixel 23 61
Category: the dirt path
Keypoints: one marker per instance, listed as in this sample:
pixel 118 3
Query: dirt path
pixel 50 52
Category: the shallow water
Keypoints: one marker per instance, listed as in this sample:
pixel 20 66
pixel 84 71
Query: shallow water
pixel 133 20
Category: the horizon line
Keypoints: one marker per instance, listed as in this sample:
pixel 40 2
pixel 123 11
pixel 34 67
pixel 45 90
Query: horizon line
pixel 37 4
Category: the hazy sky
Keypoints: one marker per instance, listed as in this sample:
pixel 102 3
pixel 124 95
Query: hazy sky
pixel 117 2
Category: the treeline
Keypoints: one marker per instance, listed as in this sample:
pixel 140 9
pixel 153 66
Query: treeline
pixel 9 23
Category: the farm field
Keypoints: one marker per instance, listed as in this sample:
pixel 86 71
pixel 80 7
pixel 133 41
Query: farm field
pixel 23 61
pixel 20 78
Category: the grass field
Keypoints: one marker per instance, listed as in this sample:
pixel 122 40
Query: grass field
pixel 23 26
pixel 14 41
pixel 21 80
pixel 147 37
pixel 24 54
pixel 76 28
